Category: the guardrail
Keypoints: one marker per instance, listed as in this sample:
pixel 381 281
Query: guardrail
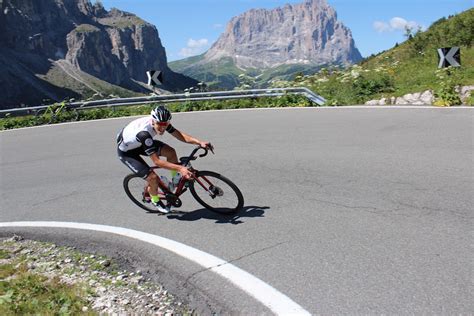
pixel 195 96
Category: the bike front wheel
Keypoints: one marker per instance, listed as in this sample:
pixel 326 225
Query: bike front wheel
pixel 216 193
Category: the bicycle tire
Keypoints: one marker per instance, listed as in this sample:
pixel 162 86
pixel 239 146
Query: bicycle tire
pixel 232 193
pixel 135 192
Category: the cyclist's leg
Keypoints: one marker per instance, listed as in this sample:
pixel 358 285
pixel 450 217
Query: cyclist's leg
pixel 135 162
pixel 152 180
pixel 168 152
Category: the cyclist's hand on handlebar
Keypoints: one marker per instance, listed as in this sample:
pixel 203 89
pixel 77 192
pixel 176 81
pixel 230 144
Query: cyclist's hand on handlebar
pixel 185 173
pixel 204 144
pixel 207 145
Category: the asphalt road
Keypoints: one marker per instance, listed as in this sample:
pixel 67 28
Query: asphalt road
pixel 348 210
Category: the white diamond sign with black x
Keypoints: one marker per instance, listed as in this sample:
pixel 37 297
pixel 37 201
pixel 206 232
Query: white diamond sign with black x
pixel 449 56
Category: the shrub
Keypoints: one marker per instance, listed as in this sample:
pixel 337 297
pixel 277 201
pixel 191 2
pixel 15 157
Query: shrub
pixel 367 86
pixel 446 94
pixel 66 115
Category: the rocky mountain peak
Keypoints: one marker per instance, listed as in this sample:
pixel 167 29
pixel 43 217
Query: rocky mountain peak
pixel 71 37
pixel 116 13
pixel 308 32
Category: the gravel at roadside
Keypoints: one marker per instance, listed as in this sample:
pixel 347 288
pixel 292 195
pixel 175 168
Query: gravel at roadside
pixel 112 291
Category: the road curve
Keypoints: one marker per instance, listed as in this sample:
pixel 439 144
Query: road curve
pixel 348 210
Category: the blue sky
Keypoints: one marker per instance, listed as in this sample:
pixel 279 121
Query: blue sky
pixel 190 27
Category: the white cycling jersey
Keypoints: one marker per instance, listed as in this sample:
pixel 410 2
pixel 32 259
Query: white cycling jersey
pixel 139 133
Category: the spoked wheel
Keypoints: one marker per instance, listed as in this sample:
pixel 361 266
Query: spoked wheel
pixel 216 193
pixel 135 187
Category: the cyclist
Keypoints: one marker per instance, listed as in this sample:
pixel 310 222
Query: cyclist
pixel 136 140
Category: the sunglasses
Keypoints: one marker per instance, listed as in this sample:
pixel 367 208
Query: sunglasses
pixel 162 124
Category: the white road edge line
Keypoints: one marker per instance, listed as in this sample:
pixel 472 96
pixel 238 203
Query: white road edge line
pixel 276 301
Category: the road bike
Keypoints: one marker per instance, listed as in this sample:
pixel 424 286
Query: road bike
pixel 56 113
pixel 211 189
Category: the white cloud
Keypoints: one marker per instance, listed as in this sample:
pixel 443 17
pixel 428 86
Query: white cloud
pixel 197 43
pixel 194 47
pixel 380 26
pixel 398 23
pixel 218 26
pixel 395 24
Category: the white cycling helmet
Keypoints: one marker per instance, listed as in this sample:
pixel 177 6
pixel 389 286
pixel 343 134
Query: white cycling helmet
pixel 161 114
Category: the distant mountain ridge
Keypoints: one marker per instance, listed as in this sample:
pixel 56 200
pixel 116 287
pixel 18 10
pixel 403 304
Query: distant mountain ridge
pixel 56 49
pixel 306 36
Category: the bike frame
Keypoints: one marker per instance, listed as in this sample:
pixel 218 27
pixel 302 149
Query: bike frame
pixel 181 185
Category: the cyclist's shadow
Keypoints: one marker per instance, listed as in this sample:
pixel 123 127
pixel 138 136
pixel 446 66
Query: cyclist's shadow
pixel 247 211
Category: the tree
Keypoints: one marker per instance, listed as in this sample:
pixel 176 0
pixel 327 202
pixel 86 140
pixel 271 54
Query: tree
pixel 408 32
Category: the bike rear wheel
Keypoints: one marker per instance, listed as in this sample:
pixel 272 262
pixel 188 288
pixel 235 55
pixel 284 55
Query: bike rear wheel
pixel 216 193
pixel 134 187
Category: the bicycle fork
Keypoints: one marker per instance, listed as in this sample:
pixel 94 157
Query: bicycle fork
pixel 212 190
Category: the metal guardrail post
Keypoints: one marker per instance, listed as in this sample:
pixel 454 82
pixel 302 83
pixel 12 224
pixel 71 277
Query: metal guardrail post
pixel 196 96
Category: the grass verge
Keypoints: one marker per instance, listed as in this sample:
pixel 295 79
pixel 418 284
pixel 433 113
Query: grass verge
pixel 23 292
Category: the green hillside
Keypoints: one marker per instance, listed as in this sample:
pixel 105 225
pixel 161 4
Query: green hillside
pixel 221 74
pixel 417 59
pixel 408 67
pixel 224 74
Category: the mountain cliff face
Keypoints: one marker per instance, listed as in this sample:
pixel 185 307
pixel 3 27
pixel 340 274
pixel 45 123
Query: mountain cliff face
pixel 62 48
pixel 301 34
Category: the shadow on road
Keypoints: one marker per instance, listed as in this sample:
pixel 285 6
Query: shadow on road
pixel 248 211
